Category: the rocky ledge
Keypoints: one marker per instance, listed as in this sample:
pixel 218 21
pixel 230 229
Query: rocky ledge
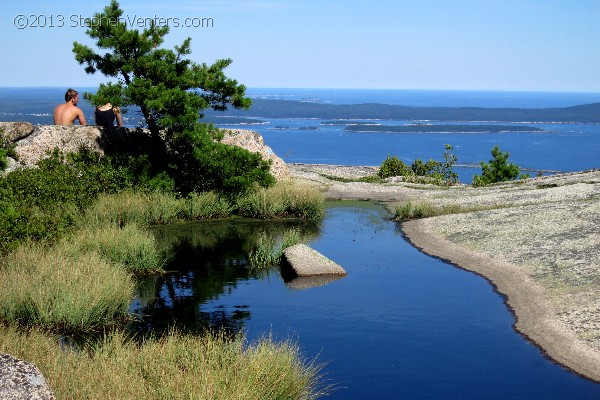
pixel 34 141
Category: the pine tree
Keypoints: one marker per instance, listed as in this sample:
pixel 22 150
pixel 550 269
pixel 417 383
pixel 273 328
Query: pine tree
pixel 170 90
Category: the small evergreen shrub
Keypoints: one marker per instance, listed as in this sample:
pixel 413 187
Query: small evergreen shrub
pixel 421 168
pixel 498 169
pixel 393 166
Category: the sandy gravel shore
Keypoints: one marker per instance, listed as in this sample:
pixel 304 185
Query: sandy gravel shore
pixel 537 241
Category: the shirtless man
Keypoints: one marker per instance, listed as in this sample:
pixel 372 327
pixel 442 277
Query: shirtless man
pixel 67 113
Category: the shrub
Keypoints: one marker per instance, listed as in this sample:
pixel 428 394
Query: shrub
pixel 445 169
pixel 199 164
pixel 497 170
pixel 421 168
pixel 393 166
pixel 439 172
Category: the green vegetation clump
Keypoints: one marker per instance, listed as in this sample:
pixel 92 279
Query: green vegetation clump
pixel 130 246
pixel 42 203
pixel 497 170
pixel 175 366
pixel 284 200
pixel 268 250
pixel 7 149
pixel 409 210
pixel 393 166
pixel 63 289
pixel 436 172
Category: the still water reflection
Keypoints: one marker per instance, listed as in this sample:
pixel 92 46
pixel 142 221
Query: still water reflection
pixel 401 325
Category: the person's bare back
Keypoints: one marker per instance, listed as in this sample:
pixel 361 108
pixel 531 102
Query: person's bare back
pixel 68 112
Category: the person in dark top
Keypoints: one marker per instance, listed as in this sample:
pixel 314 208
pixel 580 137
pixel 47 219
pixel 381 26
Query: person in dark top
pixel 105 115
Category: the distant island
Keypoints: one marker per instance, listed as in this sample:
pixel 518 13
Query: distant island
pixel 438 128
pixel 588 113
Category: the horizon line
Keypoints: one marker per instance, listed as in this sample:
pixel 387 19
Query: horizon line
pixel 342 88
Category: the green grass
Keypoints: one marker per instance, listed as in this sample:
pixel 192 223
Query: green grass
pixel 206 205
pixel 409 210
pixel 154 208
pixel 173 367
pixel 131 246
pixel 287 199
pixel 268 249
pixel 367 178
pixel 63 289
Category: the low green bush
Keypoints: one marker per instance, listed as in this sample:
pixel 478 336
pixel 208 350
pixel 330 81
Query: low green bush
pixel 498 169
pixel 198 163
pixel 436 172
pixel 393 166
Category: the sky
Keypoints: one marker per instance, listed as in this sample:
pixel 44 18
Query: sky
pixel 501 45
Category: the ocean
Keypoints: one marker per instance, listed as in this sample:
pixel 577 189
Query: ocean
pixel 559 147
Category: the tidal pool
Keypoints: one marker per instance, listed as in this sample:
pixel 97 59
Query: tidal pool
pixel 401 325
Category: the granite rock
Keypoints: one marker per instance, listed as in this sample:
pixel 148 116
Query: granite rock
pixel 22 380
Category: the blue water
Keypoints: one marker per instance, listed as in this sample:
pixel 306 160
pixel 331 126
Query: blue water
pixel 561 147
pixel 401 325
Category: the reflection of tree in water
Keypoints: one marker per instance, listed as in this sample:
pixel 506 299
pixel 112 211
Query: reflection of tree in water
pixel 205 261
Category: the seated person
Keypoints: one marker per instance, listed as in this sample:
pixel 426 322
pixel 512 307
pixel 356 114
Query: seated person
pixel 67 113
pixel 105 115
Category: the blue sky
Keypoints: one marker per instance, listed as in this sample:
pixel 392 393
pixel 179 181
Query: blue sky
pixel 521 45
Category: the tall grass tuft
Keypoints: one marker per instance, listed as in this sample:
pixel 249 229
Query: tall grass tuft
pixel 154 208
pixel 130 246
pixel 173 367
pixel 62 289
pixel 268 249
pixel 287 199
pixel 137 208
pixel 206 205
pixel 264 253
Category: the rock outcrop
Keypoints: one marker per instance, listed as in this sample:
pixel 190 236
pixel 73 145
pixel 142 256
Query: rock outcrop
pixel 33 142
pixel 44 138
pixel 303 261
pixel 253 141
pixel 13 131
pixel 22 380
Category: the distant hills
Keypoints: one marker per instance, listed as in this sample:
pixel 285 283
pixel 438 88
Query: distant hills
pixel 588 113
